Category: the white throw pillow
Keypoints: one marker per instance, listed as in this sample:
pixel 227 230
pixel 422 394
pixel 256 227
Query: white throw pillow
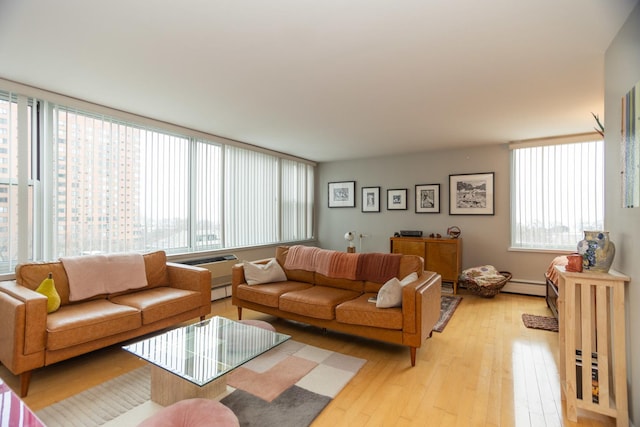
pixel 409 279
pixel 257 274
pixel 390 294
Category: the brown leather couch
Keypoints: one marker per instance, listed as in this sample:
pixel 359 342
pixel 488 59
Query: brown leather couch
pixel 30 338
pixel 342 305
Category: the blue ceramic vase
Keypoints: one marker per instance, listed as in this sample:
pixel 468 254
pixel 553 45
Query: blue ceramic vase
pixel 597 251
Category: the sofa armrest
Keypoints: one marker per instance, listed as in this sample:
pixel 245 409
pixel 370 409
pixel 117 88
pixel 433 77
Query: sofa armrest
pixel 421 306
pixel 23 315
pixel 191 278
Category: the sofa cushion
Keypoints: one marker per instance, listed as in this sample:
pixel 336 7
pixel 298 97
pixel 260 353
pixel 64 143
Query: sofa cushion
pixel 159 303
pixel 268 294
pixel 78 323
pixel 352 285
pixel 256 274
pixel 360 311
pixel 293 275
pixel 155 266
pixel 378 267
pixel 410 264
pixel 317 301
pixel 91 275
pixel 30 276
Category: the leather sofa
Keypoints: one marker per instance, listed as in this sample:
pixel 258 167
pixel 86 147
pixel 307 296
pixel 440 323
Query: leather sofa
pixel 343 304
pixel 31 338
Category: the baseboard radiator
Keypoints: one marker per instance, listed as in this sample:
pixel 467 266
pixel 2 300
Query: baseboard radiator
pixel 525 287
pixel 220 268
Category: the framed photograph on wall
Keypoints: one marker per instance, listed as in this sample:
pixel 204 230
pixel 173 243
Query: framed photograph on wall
pixel 471 194
pixel 370 199
pixel 397 199
pixel 428 198
pixel 342 194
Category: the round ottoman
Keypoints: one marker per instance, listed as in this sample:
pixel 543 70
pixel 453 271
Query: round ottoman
pixel 193 413
pixel 259 324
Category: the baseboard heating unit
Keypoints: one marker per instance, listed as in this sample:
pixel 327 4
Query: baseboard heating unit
pixel 525 287
pixel 220 268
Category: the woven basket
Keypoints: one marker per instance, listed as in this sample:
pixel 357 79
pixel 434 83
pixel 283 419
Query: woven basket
pixel 488 291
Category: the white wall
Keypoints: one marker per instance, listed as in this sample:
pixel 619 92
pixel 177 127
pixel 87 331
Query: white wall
pixel 622 72
pixel 485 238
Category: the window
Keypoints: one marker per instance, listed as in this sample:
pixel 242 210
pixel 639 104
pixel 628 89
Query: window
pixel 129 186
pixel 16 182
pixel 557 191
pixel 297 200
pixel 103 184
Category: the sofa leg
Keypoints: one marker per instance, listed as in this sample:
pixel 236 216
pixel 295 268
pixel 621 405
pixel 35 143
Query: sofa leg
pixel 239 313
pixel 413 350
pixel 25 380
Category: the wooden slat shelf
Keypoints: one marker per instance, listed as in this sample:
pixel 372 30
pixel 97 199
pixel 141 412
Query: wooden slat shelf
pixel 592 328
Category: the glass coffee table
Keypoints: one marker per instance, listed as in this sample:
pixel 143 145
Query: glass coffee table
pixel 192 361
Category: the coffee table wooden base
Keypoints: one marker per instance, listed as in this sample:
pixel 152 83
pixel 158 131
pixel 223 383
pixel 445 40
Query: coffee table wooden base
pixel 168 388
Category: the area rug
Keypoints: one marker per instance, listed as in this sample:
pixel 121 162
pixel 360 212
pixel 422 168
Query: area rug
pixel 287 386
pixel 448 305
pixel 540 322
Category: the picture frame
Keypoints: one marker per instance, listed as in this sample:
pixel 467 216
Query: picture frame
pixel 370 199
pixel 630 146
pixel 397 199
pixel 342 194
pixel 427 198
pixel 471 194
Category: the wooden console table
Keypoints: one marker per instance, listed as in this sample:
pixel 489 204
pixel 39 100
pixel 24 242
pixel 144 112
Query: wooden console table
pixel 444 256
pixel 593 365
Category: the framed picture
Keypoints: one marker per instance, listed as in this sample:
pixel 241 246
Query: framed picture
pixel 471 194
pixel 428 198
pixel 342 194
pixel 370 199
pixel 397 199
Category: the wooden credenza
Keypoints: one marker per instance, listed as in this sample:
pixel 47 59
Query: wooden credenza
pixel 593 365
pixel 444 256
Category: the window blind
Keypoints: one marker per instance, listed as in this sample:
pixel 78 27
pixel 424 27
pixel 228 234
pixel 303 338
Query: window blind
pixel 78 182
pixel 296 192
pixel 557 193
pixel 251 202
pixel 120 187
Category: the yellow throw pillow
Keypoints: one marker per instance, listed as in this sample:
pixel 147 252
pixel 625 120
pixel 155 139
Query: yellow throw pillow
pixel 48 289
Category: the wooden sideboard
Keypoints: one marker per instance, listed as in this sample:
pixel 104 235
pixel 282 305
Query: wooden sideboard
pixel 444 256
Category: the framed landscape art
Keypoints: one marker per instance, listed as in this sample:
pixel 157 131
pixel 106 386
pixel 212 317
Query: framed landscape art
pixel 471 194
pixel 342 194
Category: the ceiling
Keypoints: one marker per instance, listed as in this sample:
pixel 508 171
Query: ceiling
pixel 326 80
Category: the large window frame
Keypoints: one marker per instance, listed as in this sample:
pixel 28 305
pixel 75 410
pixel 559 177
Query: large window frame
pixel 218 201
pixel 557 191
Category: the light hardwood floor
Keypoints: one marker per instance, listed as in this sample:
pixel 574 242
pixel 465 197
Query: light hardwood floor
pixel 485 369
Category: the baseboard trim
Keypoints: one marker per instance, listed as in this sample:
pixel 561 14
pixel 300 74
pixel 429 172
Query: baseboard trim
pixel 535 289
